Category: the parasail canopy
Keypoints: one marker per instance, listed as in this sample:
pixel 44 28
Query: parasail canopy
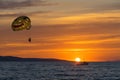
pixel 21 23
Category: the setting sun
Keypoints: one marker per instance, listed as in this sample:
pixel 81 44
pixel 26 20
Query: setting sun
pixel 77 59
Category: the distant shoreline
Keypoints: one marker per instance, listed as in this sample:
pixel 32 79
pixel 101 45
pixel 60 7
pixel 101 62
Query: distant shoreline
pixel 19 59
pixel 12 58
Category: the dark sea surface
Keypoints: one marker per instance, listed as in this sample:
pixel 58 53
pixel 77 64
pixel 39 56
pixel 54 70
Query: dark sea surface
pixel 59 71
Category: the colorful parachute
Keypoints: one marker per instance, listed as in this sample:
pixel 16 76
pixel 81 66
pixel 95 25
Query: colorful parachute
pixel 21 23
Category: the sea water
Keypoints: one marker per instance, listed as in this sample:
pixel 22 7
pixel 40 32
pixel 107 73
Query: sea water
pixel 59 71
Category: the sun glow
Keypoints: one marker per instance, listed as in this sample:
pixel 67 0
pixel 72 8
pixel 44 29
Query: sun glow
pixel 77 59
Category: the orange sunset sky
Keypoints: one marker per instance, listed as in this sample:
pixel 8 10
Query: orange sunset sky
pixel 62 29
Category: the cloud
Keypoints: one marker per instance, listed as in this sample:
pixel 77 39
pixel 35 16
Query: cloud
pixel 105 5
pixel 14 14
pixel 110 5
pixel 10 8
pixel 92 6
pixel 13 4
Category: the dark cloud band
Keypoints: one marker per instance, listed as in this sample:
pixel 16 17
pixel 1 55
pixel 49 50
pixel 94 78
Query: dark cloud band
pixel 13 4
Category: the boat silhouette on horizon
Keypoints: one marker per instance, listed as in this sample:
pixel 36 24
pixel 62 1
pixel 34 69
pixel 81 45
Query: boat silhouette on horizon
pixel 82 63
